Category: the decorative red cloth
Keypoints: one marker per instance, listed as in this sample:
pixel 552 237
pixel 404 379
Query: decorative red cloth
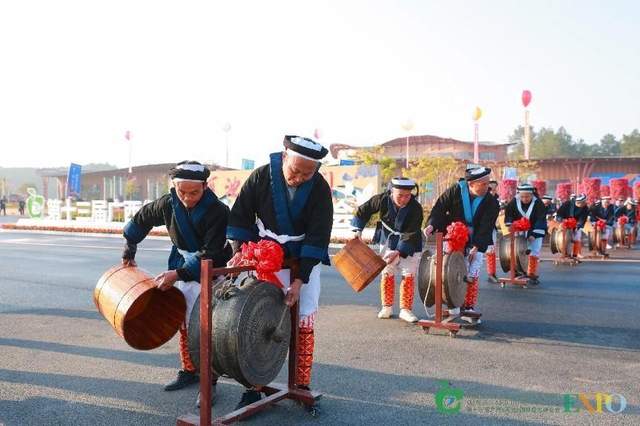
pixel 601 224
pixel 267 256
pixel 457 236
pixel 521 225
pixel 491 263
pixel 387 289
pixel 622 220
pixel 406 292
pixel 563 191
pixel 619 188
pixel 570 223
pixel 471 296
pixel 591 188
pixel 306 343
pixel 507 189
pixel 540 186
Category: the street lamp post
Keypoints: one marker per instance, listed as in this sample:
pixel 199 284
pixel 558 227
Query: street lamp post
pixel 226 129
pixel 407 126
pixel 526 99
pixel 477 114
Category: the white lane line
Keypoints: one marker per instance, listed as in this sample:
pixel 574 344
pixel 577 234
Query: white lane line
pixel 24 243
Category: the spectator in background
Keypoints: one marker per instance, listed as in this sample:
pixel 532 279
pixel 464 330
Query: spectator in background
pixel 3 205
pixel 21 205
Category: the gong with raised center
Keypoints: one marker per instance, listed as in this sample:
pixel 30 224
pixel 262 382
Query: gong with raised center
pixel 560 240
pixel 521 252
pixel 454 287
pixel 251 329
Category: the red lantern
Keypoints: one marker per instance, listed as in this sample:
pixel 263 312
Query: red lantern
pixel 540 186
pixel 604 191
pixel 619 188
pixel 591 188
pixel 526 98
pixel 507 189
pixel 563 191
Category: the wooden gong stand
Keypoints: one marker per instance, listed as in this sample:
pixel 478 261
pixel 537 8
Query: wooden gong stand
pixel 512 279
pixel 437 322
pixel 275 392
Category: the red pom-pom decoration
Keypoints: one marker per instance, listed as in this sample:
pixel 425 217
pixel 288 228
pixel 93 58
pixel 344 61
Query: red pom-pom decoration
pixel 540 186
pixel 619 188
pixel 457 236
pixel 605 191
pixel 521 225
pixel 601 224
pixel 563 191
pixel 507 189
pixel 267 256
pixel 591 188
pixel 623 220
pixel 636 190
pixel 570 223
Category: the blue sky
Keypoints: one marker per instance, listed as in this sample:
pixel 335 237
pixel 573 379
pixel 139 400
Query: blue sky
pixel 77 74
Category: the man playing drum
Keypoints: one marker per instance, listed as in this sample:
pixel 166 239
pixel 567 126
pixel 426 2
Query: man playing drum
pixel 549 205
pixel 526 204
pixel 289 201
pixel 196 222
pixel 466 202
pixel 577 209
pixel 603 210
pixel 398 233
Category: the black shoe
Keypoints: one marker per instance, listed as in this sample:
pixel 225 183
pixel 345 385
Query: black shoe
pixel 214 396
pixel 248 397
pixel 184 379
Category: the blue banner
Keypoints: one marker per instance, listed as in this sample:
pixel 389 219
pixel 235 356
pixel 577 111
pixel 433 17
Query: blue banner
pixel 73 180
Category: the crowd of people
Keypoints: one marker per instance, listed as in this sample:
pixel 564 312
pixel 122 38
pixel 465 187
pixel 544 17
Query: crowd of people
pixel 288 201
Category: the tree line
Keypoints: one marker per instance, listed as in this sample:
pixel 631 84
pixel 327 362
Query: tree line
pixel 549 143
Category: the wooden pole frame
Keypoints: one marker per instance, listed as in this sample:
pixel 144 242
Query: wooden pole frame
pixel 275 392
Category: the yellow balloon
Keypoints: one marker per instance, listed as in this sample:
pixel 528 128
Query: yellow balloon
pixel 477 113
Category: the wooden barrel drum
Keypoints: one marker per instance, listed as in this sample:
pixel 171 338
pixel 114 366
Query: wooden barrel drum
pixel 251 331
pixel 454 287
pixel 140 313
pixel 358 264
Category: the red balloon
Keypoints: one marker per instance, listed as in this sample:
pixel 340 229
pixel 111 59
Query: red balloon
pixel 526 98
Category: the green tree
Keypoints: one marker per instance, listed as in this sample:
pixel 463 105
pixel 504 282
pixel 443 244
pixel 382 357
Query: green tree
pixel 131 189
pixel 609 146
pixel 388 165
pixel 631 143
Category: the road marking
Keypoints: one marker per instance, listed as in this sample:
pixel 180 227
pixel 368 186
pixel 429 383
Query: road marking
pixel 25 243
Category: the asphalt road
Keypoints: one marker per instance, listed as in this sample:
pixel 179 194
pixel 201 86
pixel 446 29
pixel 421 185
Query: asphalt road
pixel 62 364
